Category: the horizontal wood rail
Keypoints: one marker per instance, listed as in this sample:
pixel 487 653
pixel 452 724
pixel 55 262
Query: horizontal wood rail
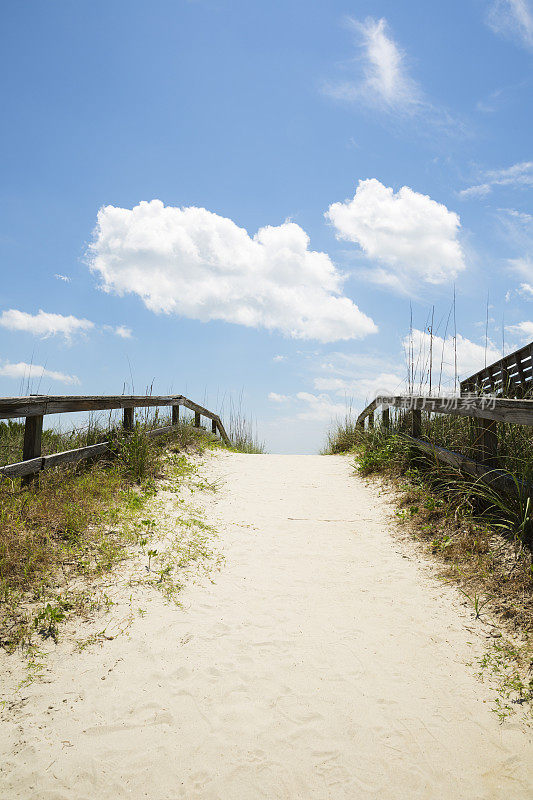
pixel 486 410
pixel 500 409
pixel 35 407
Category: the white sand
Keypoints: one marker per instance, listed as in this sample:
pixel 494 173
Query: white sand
pixel 321 663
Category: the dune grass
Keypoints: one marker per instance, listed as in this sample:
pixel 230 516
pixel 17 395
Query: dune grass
pixel 75 522
pixel 481 538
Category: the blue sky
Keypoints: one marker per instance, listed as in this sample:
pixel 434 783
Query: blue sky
pixel 241 201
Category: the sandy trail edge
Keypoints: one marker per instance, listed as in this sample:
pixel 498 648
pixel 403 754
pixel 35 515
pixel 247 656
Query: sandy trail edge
pixel 321 663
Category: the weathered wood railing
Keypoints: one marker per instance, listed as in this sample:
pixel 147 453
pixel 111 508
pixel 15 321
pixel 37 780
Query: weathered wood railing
pixel 486 410
pixel 511 376
pixel 35 407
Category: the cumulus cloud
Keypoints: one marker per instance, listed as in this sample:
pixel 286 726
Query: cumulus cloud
pixel 384 79
pixel 192 262
pixel 512 19
pixel 518 175
pixel 526 289
pixel 34 372
pixel 413 236
pixel 524 330
pixel 44 324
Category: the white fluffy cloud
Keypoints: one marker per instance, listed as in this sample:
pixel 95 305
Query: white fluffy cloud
pixel 524 330
pixel 29 372
pixel 192 262
pixel 526 289
pixel 512 18
pixel 44 324
pixel 385 81
pixel 518 175
pixel 412 235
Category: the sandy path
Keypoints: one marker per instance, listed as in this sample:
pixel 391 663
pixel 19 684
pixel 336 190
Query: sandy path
pixel 321 663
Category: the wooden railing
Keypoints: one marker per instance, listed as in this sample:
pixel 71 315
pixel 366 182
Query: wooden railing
pixel 486 410
pixel 511 376
pixel 35 407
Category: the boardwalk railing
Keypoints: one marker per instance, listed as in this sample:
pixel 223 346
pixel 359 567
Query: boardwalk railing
pixel 35 407
pixel 511 376
pixel 486 410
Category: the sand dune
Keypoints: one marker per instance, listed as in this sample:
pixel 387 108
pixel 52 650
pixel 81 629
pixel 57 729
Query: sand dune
pixel 322 663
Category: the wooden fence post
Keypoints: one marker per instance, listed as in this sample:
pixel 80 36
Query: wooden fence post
pixel 213 426
pixel 128 419
pixel 371 420
pixel 33 431
pixel 416 423
pixel 196 419
pixel 385 417
pixel 488 442
pixel 175 415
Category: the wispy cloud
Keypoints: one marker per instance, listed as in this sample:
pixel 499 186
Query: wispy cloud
pixel 524 330
pixel 384 80
pixel 519 175
pixel 27 372
pixel 119 330
pixel 274 397
pixel 512 19
pixel 60 277
pixel 379 78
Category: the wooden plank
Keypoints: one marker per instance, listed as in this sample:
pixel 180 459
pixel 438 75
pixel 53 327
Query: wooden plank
pixel 518 412
pixel 175 415
pixel 22 468
pixel 33 431
pixel 197 416
pixel 416 423
pixel 72 456
pixel 12 407
pixel 222 431
pixel 385 418
pixel 370 407
pixel 128 422
pixel 371 419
